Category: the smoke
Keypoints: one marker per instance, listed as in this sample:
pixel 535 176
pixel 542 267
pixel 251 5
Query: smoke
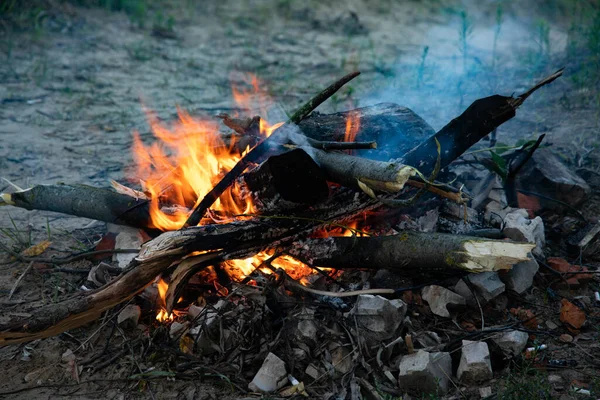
pixel 481 49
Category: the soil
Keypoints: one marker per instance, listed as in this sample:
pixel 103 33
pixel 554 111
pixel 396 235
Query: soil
pixel 73 87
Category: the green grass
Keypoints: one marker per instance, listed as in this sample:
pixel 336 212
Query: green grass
pixel 525 382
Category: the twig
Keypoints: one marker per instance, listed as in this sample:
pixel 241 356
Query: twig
pixel 457 197
pixel 12 291
pixel 317 144
pixel 320 98
pixel 513 170
pixel 66 260
pixel 259 151
pixel 334 294
pixel 562 203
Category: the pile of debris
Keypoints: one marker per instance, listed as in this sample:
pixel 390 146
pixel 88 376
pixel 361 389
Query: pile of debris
pixel 362 277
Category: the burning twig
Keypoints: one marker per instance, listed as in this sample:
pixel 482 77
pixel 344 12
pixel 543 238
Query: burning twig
pixel 260 150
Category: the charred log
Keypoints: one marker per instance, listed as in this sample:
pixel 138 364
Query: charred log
pixel 476 122
pixel 396 129
pixel 293 177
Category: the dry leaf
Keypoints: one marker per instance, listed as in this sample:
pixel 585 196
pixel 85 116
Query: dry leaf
pixel 186 344
pixel 37 249
pixel 571 315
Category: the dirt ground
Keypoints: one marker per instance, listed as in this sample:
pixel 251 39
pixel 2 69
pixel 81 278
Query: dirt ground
pixel 73 80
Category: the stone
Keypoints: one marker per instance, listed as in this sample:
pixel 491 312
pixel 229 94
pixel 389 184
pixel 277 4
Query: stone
pixel 425 372
pixel 439 298
pixel 177 328
pixel 512 343
pixel 485 392
pixel 126 238
pixel 306 328
pixel 566 338
pixel 312 371
pixel 428 339
pixel 271 376
pixel 464 290
pixel 518 227
pixel 586 242
pixel 495 213
pixel 377 317
pixel 475 365
pixel 487 285
pixel 129 316
pixel 520 277
pixel 340 359
pixel 194 311
pixel 552 325
pixel 547 175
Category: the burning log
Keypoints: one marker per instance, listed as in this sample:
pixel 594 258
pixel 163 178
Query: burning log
pixel 261 149
pixel 413 251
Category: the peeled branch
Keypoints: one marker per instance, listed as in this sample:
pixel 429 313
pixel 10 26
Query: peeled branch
pixel 414 251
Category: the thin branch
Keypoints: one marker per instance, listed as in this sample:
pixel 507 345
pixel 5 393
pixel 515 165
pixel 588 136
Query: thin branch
pixel 513 170
pixel 296 285
pixel 317 144
pixel 12 291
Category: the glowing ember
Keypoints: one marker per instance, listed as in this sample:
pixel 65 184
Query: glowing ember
pixel 239 269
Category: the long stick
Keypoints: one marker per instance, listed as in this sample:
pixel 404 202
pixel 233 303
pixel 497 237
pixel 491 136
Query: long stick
pixel 413 252
pixel 260 150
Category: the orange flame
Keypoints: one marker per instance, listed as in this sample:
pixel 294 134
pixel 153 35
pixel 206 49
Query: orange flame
pixel 352 126
pixel 296 269
pixel 162 315
pixel 187 160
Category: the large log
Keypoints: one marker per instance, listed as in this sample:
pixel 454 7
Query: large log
pixel 412 252
pixel 396 129
pixel 83 201
pixel 291 177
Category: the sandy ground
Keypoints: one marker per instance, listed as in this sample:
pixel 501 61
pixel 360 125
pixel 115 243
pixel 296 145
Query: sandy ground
pixel 71 94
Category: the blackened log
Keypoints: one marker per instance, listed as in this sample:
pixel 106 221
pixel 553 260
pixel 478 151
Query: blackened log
pixel 478 120
pixel 396 129
pixel 413 252
pixel 293 177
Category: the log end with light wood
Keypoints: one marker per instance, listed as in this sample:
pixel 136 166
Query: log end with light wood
pixel 414 251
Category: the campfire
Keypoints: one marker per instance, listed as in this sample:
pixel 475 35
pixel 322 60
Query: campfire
pixel 262 233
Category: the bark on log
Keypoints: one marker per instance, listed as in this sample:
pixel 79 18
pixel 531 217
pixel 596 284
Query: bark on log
pixel 83 201
pixel 396 129
pixel 476 122
pixel 413 251
pixel 358 172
